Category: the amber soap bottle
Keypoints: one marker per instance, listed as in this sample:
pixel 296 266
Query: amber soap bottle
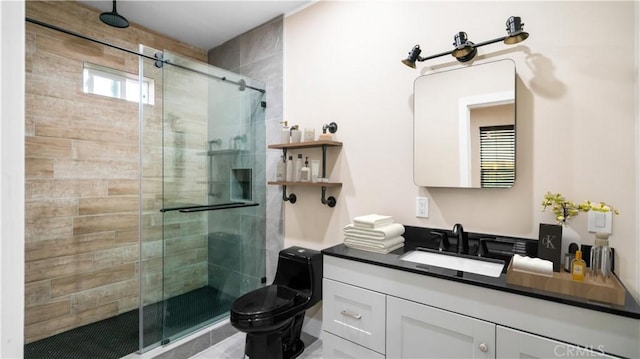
pixel 578 267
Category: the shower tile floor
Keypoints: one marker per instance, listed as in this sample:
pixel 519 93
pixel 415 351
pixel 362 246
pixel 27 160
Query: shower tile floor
pixel 233 348
pixel 117 336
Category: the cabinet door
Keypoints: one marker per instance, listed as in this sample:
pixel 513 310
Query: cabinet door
pixel 354 314
pixel 511 344
pixel 334 347
pixel 420 331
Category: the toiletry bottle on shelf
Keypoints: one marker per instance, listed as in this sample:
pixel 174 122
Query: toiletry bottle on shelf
pixel 601 257
pixel 281 169
pixel 305 173
pixel 296 134
pixel 578 267
pixel 309 134
pixel 298 169
pixel 315 167
pixel 289 171
pixel 285 135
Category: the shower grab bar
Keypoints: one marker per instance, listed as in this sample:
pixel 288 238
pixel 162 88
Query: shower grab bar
pixel 209 207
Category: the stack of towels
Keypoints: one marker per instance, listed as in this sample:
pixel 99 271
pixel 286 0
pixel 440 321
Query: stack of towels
pixel 374 233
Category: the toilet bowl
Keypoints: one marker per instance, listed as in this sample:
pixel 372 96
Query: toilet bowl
pixel 272 316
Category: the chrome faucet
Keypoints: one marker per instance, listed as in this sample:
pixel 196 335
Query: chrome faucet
pixel 462 239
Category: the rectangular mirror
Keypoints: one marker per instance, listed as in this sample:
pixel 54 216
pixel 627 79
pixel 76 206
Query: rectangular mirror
pixel 464 127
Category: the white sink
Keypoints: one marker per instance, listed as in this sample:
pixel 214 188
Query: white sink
pixel 449 261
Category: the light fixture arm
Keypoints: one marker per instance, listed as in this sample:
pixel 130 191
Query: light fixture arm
pixel 500 39
pixel 420 58
pixel 489 42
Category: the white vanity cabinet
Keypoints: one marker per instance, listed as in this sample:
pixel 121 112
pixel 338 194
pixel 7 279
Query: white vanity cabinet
pixel 516 344
pixel 420 331
pixel 373 311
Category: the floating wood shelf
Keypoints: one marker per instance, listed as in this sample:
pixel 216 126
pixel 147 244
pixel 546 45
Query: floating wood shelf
pixel 311 184
pixel 291 198
pixel 309 144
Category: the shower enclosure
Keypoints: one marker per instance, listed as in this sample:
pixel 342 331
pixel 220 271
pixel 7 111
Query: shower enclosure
pixel 144 194
pixel 203 193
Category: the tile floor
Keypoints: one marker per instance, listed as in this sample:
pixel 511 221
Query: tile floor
pixel 233 348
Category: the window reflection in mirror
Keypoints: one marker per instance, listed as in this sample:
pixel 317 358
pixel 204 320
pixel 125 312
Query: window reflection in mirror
pixel 464 127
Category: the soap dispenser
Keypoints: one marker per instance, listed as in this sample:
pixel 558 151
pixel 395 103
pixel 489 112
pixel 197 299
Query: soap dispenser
pixel 305 173
pixel 285 135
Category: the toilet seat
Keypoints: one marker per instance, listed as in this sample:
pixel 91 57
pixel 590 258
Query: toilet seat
pixel 261 308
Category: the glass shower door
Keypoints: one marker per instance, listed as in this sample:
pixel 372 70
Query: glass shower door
pixel 212 213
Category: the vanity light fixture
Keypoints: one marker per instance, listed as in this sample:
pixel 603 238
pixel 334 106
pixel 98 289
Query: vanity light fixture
pixel 465 50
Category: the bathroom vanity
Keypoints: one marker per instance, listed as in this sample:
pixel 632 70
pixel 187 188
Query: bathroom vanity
pixel 379 306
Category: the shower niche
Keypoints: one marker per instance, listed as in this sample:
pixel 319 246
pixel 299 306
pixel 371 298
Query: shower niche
pixel 241 185
pixel 230 178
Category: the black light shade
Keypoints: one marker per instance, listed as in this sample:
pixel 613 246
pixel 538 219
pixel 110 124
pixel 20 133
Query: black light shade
pixel 515 34
pixel 414 54
pixel 469 56
pixel 464 47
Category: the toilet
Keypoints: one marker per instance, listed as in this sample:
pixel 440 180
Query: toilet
pixel 272 316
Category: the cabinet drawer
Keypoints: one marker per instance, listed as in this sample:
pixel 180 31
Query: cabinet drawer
pixel 355 314
pixel 336 347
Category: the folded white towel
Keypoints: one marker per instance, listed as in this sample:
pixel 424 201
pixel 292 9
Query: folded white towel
pixel 382 244
pixel 532 265
pixel 388 231
pixel 372 221
pixel 375 250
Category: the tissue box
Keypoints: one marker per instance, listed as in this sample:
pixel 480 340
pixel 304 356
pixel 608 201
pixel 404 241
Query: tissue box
pixel 609 291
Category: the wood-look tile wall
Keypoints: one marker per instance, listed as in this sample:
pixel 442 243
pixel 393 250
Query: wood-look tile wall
pixel 82 188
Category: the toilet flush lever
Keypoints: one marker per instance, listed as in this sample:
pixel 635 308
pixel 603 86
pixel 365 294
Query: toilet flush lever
pixel 347 313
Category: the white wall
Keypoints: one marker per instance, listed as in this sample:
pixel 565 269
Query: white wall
pixel 12 179
pixel 577 113
pixel 637 95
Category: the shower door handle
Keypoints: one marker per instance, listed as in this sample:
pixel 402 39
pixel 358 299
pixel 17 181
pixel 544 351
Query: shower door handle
pixel 212 207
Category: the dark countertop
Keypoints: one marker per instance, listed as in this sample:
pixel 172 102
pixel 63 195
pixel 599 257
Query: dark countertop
pixel 392 260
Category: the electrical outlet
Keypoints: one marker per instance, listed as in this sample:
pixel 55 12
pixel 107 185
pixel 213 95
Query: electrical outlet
pixel 422 207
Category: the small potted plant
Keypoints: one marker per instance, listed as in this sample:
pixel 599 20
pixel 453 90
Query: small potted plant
pixel 564 209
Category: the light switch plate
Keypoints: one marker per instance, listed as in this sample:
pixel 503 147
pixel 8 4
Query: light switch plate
pixel 599 222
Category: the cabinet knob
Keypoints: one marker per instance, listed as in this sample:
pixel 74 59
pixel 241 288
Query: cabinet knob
pixel 484 347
